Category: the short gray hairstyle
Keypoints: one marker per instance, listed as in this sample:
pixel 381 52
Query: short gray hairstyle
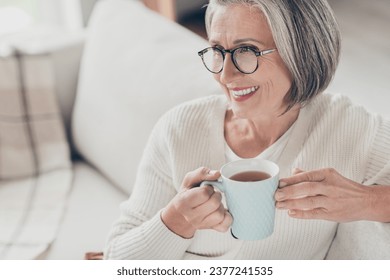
pixel 307 37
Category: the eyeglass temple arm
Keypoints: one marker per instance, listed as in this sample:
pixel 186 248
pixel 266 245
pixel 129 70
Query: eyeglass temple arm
pixel 261 53
pixel 200 53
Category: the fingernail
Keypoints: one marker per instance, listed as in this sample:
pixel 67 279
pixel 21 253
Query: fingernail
pixel 280 205
pixel 282 184
pixel 213 172
pixel 279 195
pixel 292 212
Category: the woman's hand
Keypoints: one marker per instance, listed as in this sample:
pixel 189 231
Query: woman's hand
pixel 196 208
pixel 324 194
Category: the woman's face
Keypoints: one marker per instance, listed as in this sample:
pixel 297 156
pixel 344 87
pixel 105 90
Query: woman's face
pixel 239 25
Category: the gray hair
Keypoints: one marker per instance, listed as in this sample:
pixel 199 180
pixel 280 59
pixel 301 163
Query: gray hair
pixel 307 37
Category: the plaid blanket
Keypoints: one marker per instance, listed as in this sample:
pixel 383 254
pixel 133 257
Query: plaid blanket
pixel 35 166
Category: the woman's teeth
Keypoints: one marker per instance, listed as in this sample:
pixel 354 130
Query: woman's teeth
pixel 239 93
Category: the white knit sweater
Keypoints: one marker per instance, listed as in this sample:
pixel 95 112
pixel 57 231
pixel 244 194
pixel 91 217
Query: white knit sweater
pixel 329 132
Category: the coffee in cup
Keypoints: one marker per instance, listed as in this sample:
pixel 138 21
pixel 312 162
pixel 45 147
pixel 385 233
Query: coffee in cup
pixel 250 176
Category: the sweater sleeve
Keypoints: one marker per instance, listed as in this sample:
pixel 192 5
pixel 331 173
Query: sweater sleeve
pixel 378 165
pixel 367 240
pixel 140 233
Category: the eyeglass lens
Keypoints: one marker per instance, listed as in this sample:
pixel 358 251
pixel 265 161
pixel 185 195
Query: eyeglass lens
pixel 244 59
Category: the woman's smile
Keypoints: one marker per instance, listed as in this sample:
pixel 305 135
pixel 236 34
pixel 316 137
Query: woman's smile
pixel 241 94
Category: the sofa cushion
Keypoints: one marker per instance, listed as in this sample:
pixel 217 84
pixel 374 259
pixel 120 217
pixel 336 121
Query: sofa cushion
pixel 35 174
pixel 89 217
pixel 136 65
pixel 32 137
pixel 31 211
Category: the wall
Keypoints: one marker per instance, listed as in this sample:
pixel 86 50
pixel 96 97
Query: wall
pixel 364 70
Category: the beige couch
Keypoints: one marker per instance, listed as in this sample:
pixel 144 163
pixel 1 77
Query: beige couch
pixel 113 84
pixel 135 65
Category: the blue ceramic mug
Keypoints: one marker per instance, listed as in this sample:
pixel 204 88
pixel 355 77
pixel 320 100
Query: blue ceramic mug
pixel 249 186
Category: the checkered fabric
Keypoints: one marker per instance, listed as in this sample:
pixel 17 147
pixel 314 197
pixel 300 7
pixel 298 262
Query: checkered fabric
pixel 35 166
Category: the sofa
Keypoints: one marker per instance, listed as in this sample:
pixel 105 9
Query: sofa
pixel 113 87
pixel 112 83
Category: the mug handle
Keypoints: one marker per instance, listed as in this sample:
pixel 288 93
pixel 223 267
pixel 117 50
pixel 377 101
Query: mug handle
pixel 217 183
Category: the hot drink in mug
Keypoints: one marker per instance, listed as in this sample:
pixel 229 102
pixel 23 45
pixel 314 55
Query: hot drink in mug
pixel 249 186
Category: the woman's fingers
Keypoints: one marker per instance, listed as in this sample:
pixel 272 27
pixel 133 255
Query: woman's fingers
pixel 225 224
pixel 198 207
pixel 209 214
pixel 195 197
pixel 317 213
pixel 191 196
pixel 181 214
pixel 214 218
pixel 194 178
pixel 199 213
pixel 323 194
pixel 306 203
pixel 300 190
pixel 301 176
pixel 311 183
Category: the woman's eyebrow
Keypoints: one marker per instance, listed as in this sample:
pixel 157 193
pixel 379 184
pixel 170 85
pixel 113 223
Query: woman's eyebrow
pixel 213 42
pixel 239 41
pixel 245 40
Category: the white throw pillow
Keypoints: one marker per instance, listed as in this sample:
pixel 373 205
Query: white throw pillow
pixel 136 65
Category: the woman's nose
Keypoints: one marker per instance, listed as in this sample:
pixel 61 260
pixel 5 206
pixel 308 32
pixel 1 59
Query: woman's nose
pixel 229 71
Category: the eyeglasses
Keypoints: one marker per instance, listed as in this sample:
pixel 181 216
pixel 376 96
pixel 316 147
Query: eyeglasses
pixel 244 58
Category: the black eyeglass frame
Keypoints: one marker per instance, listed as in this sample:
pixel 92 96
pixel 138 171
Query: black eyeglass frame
pixel 232 51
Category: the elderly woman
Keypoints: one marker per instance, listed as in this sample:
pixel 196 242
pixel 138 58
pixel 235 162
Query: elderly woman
pixel 273 60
